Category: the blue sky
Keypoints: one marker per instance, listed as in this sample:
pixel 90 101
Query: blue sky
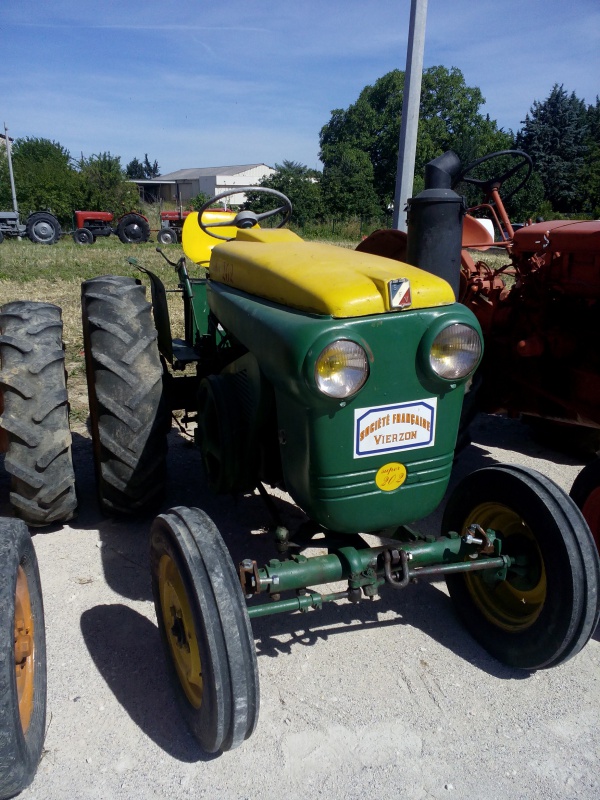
pixel 196 83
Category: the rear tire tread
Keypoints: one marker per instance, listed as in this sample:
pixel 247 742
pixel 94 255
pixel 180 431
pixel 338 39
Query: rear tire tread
pixel 125 386
pixel 36 413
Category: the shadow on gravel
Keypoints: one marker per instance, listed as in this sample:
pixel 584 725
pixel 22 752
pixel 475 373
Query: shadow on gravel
pixel 422 606
pixel 126 649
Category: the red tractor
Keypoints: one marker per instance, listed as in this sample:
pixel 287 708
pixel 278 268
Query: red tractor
pixel 539 311
pixel 171 225
pixel 131 228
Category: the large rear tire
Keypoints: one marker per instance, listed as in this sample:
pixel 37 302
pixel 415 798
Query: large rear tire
pixel 36 412
pixel 547 607
pixel 205 629
pixel 22 659
pixel 43 228
pixel 133 229
pixel 128 412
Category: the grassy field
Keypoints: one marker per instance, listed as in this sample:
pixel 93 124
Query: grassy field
pixel 54 274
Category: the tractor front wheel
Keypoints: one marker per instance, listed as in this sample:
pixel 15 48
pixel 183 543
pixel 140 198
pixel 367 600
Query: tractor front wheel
pixel 133 229
pixel 205 629
pixel 23 661
pixel 83 236
pixel 167 236
pixel 128 411
pixel 586 494
pixel 546 607
pixel 36 412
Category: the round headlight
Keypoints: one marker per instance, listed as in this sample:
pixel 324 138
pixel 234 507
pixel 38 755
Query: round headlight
pixel 455 352
pixel 341 368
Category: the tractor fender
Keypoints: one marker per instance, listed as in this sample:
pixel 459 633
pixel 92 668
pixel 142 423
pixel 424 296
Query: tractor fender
pixel 160 311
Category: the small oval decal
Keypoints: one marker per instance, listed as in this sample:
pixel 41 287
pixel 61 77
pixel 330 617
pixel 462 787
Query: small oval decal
pixel 390 476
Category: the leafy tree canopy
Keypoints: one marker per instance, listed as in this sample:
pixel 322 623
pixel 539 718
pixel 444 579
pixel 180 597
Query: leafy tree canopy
pixel 103 185
pixel 555 134
pixel 44 177
pixel 299 183
pixel 449 119
pixel 142 170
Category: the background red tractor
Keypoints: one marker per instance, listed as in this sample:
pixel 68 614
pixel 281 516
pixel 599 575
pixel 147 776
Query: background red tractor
pixel 539 309
pixel 171 225
pixel 131 228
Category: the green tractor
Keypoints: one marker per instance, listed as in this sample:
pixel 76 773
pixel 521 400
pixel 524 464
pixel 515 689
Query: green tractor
pixel 337 376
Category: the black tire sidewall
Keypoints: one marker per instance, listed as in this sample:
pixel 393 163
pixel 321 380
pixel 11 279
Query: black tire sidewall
pixel 19 752
pixel 42 216
pixel 129 219
pixel 166 236
pixel 206 723
pixel 535 646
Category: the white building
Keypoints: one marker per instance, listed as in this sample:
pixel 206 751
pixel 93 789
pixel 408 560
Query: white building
pixel 184 184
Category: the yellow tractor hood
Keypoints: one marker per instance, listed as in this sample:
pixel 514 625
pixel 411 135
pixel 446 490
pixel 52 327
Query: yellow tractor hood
pixel 323 279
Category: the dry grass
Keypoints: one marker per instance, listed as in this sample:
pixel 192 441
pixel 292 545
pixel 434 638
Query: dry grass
pixel 54 275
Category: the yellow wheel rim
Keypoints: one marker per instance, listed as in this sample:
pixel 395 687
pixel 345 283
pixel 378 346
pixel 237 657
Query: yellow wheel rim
pixel 515 603
pixel 181 632
pixel 24 649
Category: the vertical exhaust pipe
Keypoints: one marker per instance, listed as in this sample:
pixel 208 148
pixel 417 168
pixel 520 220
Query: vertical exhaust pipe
pixel 434 222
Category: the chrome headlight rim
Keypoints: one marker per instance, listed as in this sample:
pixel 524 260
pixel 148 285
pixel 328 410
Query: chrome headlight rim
pixel 331 384
pixel 440 327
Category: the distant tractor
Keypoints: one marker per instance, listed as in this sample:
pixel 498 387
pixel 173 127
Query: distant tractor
pixel 41 227
pixel 131 228
pixel 171 225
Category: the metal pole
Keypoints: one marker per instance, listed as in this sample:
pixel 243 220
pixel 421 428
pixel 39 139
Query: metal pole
pixel 405 171
pixel 10 171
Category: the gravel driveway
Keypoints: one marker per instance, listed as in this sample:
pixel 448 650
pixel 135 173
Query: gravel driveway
pixel 389 699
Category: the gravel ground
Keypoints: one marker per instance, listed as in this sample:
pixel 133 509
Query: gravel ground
pixel 390 699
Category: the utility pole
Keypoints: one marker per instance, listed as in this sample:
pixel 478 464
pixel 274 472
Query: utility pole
pixel 10 171
pixel 405 172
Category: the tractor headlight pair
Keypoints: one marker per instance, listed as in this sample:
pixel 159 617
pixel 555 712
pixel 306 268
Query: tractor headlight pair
pixel 342 367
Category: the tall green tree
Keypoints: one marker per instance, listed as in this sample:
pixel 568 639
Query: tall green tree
pixel 104 186
pixel 589 176
pixel 141 170
pixel 348 185
pixel 555 134
pixel 301 184
pixel 449 119
pixel 135 170
pixel 45 178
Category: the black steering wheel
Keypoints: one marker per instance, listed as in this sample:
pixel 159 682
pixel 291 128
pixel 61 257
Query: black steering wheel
pixel 245 219
pixel 487 184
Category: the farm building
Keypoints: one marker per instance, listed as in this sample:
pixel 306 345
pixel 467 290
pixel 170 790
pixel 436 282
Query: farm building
pixel 183 184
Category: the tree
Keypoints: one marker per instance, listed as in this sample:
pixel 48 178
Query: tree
pixel 449 119
pixel 348 185
pixel 589 177
pixel 104 186
pixel 299 183
pixel 198 201
pixel 135 170
pixel 151 170
pixel 554 134
pixel 44 177
pixel 142 170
